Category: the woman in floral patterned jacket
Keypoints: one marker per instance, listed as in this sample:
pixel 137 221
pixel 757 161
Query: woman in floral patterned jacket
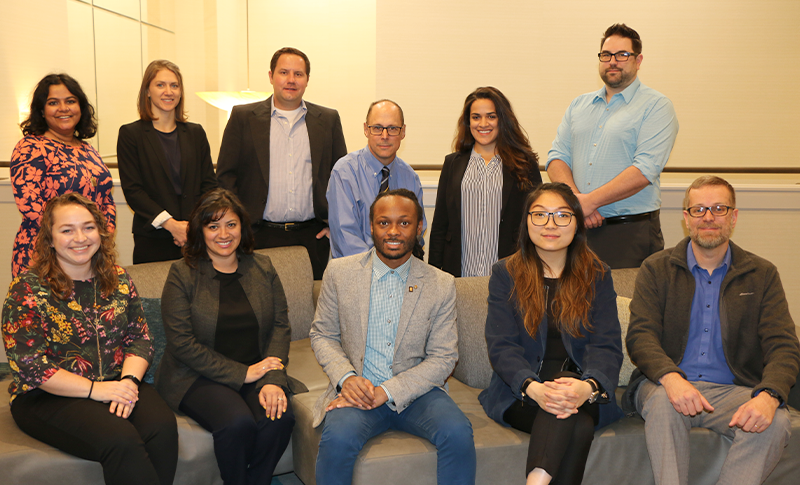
pixel 52 159
pixel 78 345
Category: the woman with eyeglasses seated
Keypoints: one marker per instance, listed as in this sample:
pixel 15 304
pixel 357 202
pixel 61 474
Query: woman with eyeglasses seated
pixel 481 187
pixel 227 327
pixel 78 345
pixel 553 338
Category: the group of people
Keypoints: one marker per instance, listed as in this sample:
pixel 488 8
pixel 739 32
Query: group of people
pixel 710 330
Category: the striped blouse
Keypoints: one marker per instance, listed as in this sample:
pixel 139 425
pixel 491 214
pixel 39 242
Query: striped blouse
pixel 481 202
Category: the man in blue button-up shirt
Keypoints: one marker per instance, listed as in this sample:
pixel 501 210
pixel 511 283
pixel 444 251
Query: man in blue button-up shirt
pixel 715 346
pixel 611 147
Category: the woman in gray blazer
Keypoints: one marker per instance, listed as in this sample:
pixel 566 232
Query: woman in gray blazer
pixel 227 327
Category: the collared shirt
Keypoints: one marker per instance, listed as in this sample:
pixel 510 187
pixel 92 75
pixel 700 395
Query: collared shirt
pixel 385 303
pixel 289 198
pixel 704 357
pixel 598 140
pixel 481 203
pixel 355 181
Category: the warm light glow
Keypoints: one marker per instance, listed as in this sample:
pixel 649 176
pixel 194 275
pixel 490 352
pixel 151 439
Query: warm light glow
pixel 226 100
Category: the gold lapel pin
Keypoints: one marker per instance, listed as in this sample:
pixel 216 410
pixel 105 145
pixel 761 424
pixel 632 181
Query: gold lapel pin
pixel 412 288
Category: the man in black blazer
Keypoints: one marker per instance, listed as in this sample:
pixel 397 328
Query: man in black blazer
pixel 277 156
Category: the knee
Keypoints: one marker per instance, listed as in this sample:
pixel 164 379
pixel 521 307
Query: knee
pixel 654 402
pixel 240 427
pixel 341 433
pixel 455 432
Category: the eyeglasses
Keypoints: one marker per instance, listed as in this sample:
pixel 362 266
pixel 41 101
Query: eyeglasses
pixel 718 210
pixel 560 218
pixel 378 130
pixel 620 56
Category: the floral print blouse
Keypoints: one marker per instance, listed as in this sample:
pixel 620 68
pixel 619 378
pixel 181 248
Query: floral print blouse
pixel 85 334
pixel 42 168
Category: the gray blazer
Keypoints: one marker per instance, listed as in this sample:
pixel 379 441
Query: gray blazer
pixel 426 346
pixel 189 308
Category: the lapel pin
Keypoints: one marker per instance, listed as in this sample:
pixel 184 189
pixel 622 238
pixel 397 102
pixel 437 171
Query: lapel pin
pixel 412 288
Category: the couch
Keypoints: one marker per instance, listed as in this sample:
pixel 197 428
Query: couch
pixel 618 454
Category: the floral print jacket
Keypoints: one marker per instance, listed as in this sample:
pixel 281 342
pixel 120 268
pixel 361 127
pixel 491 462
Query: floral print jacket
pixel 41 169
pixel 43 334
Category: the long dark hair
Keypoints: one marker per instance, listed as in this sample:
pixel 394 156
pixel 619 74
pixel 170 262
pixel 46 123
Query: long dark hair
pixel 513 145
pixel 35 124
pixel 45 262
pixel 210 208
pixel 573 298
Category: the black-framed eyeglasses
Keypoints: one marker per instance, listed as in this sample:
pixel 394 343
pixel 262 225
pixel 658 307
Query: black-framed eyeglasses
pixel 718 210
pixel 560 218
pixel 378 130
pixel 620 56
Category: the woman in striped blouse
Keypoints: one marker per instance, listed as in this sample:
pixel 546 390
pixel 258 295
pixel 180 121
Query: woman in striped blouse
pixel 482 187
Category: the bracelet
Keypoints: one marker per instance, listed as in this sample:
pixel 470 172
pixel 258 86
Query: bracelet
pixel 90 391
pixel 133 378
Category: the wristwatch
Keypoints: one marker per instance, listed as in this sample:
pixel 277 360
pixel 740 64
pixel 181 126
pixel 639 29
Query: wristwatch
pixel 771 393
pixel 595 391
pixel 133 378
pixel 525 385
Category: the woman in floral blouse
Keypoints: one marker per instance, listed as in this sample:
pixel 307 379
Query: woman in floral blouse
pixel 52 160
pixel 78 345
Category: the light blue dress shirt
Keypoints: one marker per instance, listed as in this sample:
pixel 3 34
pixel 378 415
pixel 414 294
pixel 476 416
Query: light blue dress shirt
pixel 598 140
pixel 354 184
pixel 290 198
pixel 704 357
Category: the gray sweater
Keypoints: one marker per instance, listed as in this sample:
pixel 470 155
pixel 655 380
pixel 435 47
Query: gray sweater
pixel 758 334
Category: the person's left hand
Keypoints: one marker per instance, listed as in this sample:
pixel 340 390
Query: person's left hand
pixel 591 217
pixel 755 415
pixel 324 233
pixel 273 400
pixel 124 410
pixel 565 395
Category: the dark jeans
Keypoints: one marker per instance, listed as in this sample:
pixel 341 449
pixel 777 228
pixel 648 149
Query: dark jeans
pixel 140 449
pixel 558 446
pixel 247 444
pixel 318 249
pixel 152 249
pixel 627 245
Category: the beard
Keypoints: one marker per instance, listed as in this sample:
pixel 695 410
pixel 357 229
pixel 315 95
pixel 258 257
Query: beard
pixel 406 246
pixel 624 79
pixel 711 242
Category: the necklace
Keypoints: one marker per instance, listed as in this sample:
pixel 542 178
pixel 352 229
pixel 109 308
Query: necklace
pixel 94 321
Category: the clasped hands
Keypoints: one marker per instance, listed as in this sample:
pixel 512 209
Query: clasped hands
pixel 122 395
pixel 561 397
pixel 754 416
pixel 358 392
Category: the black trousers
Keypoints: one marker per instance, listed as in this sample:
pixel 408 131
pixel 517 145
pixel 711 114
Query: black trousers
pixel 558 446
pixel 152 249
pixel 247 444
pixel 318 249
pixel 627 245
pixel 140 449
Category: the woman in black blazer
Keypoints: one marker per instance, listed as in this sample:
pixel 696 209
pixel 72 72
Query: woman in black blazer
pixel 164 165
pixel 227 327
pixel 490 135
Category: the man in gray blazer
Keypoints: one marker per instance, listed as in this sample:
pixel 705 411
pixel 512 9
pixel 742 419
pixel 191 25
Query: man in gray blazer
pixel 385 334
pixel 277 155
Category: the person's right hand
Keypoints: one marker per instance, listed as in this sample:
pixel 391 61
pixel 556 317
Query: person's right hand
pixel 257 370
pixel 120 392
pixel 685 398
pixel 359 392
pixel 177 229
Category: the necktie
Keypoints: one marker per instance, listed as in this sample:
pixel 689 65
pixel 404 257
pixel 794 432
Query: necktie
pixel 384 179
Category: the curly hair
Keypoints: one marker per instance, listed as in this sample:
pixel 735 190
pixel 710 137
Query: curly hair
pixel 513 145
pixel 143 101
pixel 573 298
pixel 36 124
pixel 210 208
pixel 46 264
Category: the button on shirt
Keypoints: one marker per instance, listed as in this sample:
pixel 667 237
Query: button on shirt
pixel 704 358
pixel 481 203
pixel 289 198
pixel 598 140
pixel 355 182
pixel 385 303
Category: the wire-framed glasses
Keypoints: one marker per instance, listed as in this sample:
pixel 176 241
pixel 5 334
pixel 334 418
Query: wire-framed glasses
pixel 560 218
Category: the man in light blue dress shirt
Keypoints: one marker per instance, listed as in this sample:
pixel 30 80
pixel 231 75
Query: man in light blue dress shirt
pixel 611 147
pixel 358 177
pixel 385 335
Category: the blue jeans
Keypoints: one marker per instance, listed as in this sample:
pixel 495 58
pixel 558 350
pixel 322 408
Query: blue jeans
pixel 433 416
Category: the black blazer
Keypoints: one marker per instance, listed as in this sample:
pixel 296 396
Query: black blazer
pixel 243 165
pixel 445 240
pixel 145 174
